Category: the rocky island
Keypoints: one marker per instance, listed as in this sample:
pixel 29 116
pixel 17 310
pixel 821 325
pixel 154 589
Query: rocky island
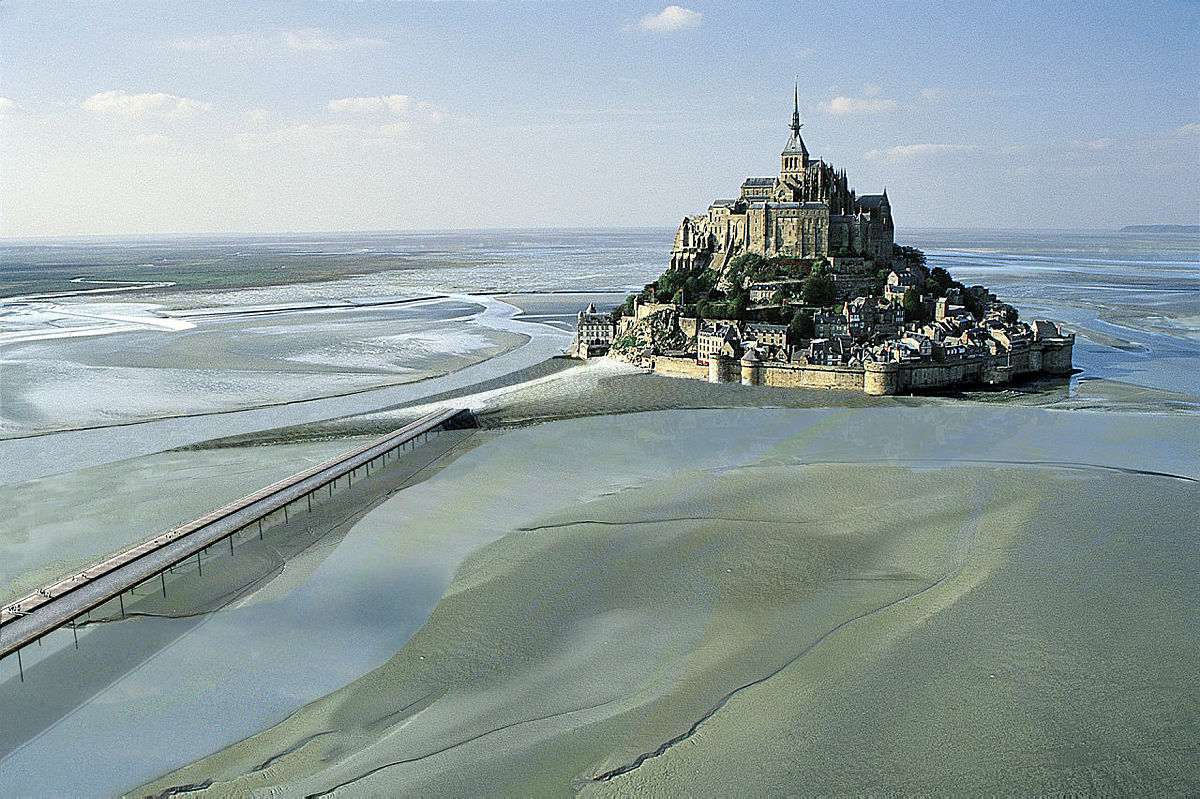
pixel 798 282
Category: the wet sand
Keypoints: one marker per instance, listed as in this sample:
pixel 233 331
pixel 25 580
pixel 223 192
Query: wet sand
pixel 238 360
pixel 40 541
pixel 995 601
pixel 942 594
pixel 220 648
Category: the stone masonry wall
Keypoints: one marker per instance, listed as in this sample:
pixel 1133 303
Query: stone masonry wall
pixel 1053 357
pixel 828 377
pixel 680 367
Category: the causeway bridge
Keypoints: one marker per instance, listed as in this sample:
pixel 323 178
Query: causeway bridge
pixel 62 603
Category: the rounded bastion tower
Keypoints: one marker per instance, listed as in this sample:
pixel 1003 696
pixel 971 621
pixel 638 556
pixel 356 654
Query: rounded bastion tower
pixel 881 379
pixel 751 368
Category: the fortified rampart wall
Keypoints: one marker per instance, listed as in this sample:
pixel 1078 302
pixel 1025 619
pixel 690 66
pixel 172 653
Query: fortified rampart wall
pixel 680 367
pixel 786 375
pixel 1048 356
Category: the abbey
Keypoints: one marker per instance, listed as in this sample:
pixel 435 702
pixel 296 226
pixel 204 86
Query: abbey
pixel 808 211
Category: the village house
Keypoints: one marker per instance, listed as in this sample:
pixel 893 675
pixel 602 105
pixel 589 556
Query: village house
pixel 717 338
pixel 828 325
pixel 764 292
pixel 768 338
pixel 594 332
pixel 897 282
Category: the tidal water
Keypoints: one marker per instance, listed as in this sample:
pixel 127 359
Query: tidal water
pixel 114 352
pixel 1132 300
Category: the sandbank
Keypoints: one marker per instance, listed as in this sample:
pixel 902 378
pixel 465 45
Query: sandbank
pixel 765 608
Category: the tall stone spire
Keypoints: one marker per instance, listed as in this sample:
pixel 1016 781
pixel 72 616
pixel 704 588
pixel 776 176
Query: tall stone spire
pixel 796 108
pixel 795 154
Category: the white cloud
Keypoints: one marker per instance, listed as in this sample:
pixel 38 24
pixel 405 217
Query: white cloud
pixel 315 40
pixel 399 105
pixel 1189 131
pixel 933 94
pixel 670 19
pixel 359 104
pixel 1096 144
pixel 238 42
pixel 386 120
pixel 1182 140
pixel 919 150
pixel 7 106
pixel 807 52
pixel 157 104
pixel 323 138
pixel 302 40
pixel 151 139
pixel 842 106
pixel 305 138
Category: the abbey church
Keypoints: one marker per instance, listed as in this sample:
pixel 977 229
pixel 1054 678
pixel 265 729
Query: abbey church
pixel 808 211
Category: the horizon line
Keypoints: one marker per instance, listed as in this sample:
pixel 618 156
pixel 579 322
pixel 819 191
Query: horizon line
pixel 5 239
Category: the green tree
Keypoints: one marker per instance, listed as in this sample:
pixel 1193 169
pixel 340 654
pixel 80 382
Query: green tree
pixel 740 303
pixel 942 278
pixel 801 327
pixel 748 264
pixel 914 310
pixel 910 256
pixel 819 290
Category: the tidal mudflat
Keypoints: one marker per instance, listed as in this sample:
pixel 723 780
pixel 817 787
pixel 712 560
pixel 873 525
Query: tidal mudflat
pixel 239 359
pixel 767 605
pixel 798 590
pixel 223 646
pixel 64 522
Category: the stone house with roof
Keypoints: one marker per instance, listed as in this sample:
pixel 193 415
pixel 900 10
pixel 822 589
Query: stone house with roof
pixel 717 337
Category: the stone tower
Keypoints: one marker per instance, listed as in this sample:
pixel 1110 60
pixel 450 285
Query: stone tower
pixel 794 158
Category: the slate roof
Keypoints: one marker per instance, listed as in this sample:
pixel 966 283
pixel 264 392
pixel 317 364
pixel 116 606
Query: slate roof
pixel 795 145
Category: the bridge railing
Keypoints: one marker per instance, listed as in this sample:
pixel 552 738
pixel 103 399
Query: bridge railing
pixel 29 618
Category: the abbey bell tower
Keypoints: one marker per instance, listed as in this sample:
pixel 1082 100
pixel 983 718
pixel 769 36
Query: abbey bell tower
pixel 794 158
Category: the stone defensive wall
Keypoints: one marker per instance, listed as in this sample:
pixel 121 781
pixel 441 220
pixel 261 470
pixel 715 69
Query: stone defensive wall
pixel 680 367
pixel 1048 356
pixel 787 375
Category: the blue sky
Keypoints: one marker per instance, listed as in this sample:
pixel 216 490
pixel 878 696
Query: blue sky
pixel 166 116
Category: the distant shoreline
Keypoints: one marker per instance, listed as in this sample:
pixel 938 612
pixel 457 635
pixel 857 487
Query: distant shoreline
pixel 1188 229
